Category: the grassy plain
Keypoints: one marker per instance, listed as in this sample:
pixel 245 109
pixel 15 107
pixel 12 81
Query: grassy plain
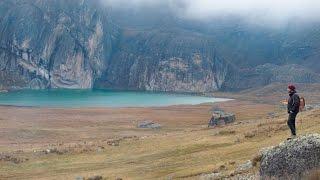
pixel 106 141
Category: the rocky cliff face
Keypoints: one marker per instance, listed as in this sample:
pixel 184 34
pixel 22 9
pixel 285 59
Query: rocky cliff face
pixel 165 61
pixel 53 44
pixel 82 44
pixel 160 51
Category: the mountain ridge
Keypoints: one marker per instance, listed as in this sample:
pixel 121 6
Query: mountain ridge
pixel 83 44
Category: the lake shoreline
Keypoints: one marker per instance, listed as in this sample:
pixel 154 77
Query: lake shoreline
pixel 133 107
pixel 200 94
pixel 113 121
pixel 101 99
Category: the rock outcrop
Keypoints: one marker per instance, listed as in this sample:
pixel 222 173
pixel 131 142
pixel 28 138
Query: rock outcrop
pixel 74 44
pixel 12 158
pixel 221 118
pixel 292 159
pixel 166 61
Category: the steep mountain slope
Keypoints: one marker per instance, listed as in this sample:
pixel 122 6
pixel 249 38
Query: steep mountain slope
pixel 254 54
pixel 84 44
pixel 250 45
pixel 166 61
pixel 53 44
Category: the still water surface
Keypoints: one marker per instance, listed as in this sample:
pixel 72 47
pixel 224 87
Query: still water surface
pixel 98 98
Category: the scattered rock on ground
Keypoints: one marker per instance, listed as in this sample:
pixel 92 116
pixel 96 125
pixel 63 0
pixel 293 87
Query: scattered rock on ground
pixel 292 159
pixel 248 176
pixel 211 176
pixel 55 151
pixel 95 178
pixel 100 148
pixel 79 178
pixel 149 125
pixel 115 142
pixel 245 167
pixel 12 158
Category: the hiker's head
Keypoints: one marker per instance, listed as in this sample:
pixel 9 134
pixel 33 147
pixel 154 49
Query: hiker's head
pixel 291 89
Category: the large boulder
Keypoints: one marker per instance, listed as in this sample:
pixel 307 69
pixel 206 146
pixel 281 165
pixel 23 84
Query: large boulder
pixel 221 118
pixel 292 159
pixel 148 125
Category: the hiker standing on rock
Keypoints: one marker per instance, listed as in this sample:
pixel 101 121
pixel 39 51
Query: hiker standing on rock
pixel 293 109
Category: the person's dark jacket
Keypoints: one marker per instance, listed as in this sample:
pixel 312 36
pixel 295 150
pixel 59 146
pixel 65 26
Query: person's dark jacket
pixel 293 103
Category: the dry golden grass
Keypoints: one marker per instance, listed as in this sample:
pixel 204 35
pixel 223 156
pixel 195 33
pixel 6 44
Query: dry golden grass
pixel 178 154
pixel 314 175
pixel 274 93
pixel 183 149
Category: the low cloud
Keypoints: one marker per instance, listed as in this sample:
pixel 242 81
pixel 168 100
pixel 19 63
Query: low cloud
pixel 274 11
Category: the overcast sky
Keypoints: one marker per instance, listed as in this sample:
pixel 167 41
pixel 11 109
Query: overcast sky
pixel 277 11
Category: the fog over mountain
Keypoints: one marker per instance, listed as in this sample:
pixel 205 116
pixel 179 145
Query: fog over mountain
pixel 158 45
pixel 274 12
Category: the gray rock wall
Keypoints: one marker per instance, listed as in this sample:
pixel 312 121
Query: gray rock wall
pixel 83 44
pixel 53 44
pixel 163 61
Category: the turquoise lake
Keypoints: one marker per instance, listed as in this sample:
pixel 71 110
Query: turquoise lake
pixel 99 98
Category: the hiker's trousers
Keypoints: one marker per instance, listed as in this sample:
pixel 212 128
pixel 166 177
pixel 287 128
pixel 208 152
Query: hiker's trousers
pixel 292 123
